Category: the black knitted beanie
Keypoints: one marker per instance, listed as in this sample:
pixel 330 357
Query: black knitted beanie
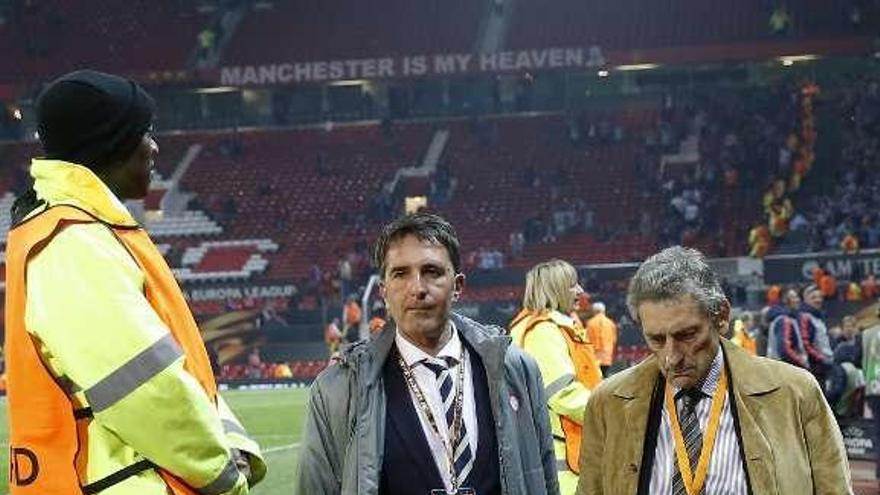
pixel 92 119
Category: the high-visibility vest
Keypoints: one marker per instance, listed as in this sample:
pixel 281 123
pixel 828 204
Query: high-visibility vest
pixel 759 249
pixel 47 445
pixel 742 339
pixel 853 292
pixel 586 371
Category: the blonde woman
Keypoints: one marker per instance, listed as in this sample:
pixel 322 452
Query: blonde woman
pixel 567 361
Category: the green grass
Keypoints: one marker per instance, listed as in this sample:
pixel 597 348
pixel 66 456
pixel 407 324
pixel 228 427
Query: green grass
pixel 274 418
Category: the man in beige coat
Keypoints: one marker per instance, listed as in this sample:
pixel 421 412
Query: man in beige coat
pixel 701 415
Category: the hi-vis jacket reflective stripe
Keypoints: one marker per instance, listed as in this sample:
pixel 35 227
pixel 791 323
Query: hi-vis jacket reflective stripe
pixel 110 338
pixel 570 370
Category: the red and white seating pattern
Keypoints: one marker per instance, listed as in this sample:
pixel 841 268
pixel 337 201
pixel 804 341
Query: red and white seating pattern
pixel 189 223
pixel 225 260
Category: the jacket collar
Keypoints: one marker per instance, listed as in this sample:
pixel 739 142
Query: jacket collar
pixel 561 319
pixel 780 310
pixel 59 182
pixel 491 345
pixel 640 381
pixel 749 375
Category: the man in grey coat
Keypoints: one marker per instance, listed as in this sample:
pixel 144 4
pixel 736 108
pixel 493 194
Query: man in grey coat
pixel 436 403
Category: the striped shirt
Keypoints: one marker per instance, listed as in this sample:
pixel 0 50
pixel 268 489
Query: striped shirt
pixel 726 475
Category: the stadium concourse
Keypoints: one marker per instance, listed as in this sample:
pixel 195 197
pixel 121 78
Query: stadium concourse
pixel 595 132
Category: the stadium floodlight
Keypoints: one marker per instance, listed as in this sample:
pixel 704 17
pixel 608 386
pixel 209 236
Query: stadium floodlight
pixel 603 73
pixel 349 82
pixel 218 89
pixel 634 67
pixel 789 60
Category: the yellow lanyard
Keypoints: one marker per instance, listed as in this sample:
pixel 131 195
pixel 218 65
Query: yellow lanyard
pixel 693 482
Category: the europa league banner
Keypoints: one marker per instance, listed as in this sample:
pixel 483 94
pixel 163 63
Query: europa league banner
pixel 858 438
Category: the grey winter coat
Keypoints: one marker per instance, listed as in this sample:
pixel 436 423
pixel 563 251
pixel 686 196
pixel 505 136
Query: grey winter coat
pixel 343 440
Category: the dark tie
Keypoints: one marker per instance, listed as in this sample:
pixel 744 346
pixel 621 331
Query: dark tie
pixel 463 457
pixel 693 438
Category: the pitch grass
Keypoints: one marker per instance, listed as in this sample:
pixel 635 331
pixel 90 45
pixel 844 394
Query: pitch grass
pixel 273 417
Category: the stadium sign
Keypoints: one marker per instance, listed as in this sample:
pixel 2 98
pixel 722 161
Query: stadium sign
pixel 858 438
pixel 238 292
pixel 795 268
pixel 448 64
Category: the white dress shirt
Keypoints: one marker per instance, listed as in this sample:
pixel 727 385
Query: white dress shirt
pixel 427 380
pixel 725 475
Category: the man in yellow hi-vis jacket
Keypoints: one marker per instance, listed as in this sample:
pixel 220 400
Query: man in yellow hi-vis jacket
pixel 566 358
pixel 109 385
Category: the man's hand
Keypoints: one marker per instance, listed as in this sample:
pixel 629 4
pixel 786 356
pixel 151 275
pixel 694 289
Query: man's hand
pixel 241 462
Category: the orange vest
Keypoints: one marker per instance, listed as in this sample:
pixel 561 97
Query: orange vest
pixel 853 292
pixel 743 339
pixel 759 241
pixel 759 249
pixel 46 444
pixel 850 244
pixel 602 333
pixel 352 313
pixel 828 285
pixel 376 324
pixel 586 371
pixel 773 294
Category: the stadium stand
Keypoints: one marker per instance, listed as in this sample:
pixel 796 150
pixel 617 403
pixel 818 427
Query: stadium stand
pixel 666 23
pixel 189 223
pixel 48 38
pixel 172 148
pixel 225 260
pixel 286 31
pixel 301 187
pixel 847 202
pixel 711 152
pixel 242 186
pixel 505 180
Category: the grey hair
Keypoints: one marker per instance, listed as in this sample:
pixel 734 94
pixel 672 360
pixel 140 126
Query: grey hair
pixel 671 274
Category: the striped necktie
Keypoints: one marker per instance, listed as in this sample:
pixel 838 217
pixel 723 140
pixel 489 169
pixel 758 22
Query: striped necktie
pixel 693 437
pixel 463 458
